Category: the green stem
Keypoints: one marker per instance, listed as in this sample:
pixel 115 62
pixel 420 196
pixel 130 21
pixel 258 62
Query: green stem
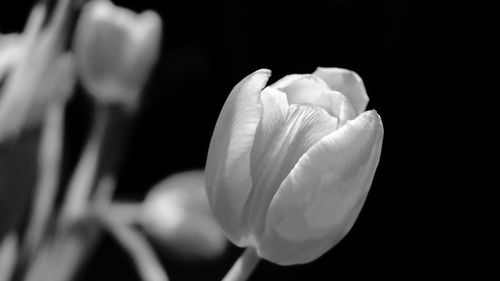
pixel 243 267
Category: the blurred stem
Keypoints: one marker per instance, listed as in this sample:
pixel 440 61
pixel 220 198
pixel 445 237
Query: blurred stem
pixel 143 256
pixel 244 266
pixel 62 256
pixel 125 212
pixel 83 179
pixel 49 162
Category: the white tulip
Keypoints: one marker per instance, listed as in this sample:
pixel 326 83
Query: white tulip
pixel 290 165
pixel 116 50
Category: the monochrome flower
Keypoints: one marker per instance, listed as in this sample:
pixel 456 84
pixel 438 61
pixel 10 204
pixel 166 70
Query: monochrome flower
pixel 116 50
pixel 290 165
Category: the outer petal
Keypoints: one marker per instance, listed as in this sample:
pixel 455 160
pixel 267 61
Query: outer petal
pixel 310 89
pixel 284 134
pixel 348 83
pixel 227 173
pixel 320 199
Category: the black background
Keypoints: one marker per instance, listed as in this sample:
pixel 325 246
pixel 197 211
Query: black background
pixel 426 69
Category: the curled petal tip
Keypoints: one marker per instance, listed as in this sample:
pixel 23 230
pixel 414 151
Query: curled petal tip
pixel 264 72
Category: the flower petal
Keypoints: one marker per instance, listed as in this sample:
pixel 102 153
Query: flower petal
pixel 140 58
pixel 100 42
pixel 348 83
pixel 227 173
pixel 10 52
pixel 310 89
pixel 338 105
pixel 284 134
pixel 320 199
pixel 20 89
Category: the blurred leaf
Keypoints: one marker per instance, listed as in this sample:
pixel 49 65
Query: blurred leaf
pixel 176 214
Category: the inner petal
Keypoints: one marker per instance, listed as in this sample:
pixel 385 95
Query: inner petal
pixel 310 89
pixel 307 89
pixel 337 105
pixel 284 134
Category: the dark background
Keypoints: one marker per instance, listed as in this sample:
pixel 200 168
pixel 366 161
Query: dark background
pixel 426 69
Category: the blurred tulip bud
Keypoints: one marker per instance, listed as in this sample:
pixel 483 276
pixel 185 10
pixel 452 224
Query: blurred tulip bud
pixel 116 50
pixel 177 215
pixel 36 71
pixel 290 165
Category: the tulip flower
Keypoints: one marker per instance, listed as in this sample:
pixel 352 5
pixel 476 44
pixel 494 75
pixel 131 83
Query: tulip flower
pixel 116 49
pixel 290 165
pixel 36 70
pixel 37 79
pixel 177 215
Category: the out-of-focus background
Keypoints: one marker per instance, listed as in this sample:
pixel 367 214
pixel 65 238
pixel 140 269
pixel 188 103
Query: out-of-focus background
pixel 425 66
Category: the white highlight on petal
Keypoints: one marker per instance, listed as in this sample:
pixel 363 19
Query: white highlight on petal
pixel 348 83
pixel 312 90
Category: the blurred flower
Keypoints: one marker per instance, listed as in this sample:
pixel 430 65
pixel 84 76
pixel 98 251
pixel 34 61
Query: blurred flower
pixel 10 51
pixel 116 49
pixel 176 214
pixel 289 166
pixel 36 71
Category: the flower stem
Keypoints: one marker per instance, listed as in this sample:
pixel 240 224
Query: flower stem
pixel 243 267
pixel 146 262
pixel 49 162
pixel 84 177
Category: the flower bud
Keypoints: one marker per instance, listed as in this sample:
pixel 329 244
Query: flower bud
pixel 116 50
pixel 176 214
pixel 290 165
pixel 36 70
